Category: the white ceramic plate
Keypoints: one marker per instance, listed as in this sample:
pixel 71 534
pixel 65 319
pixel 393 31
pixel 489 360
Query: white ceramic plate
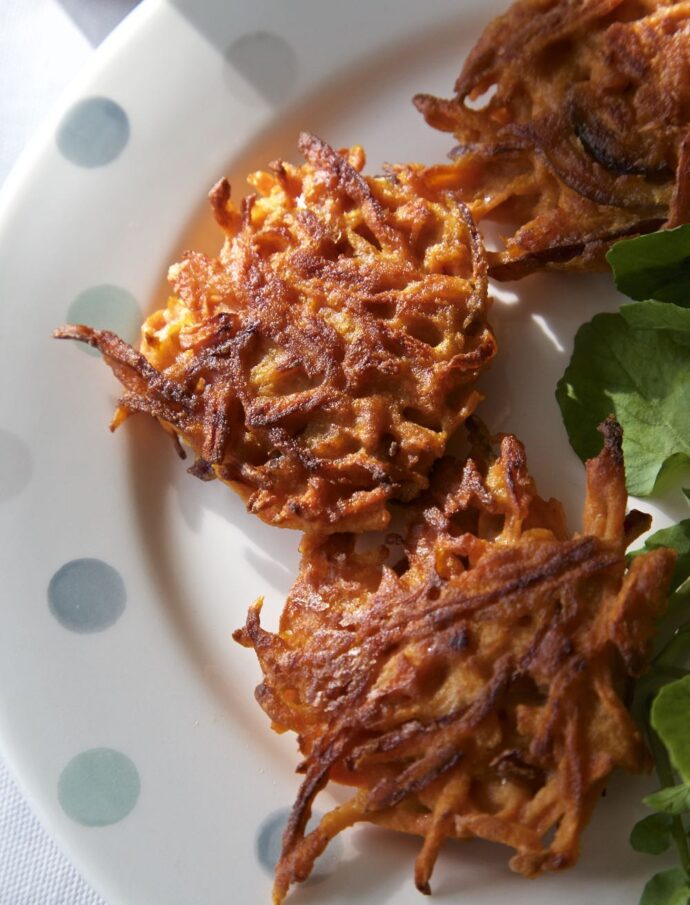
pixel 125 708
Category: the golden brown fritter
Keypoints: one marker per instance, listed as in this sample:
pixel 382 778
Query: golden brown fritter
pixel 476 687
pixel 320 363
pixel 587 136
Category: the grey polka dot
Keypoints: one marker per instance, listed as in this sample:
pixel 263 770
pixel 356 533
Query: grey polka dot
pixel 93 132
pixel 17 465
pixel 98 787
pixel 263 64
pixel 269 842
pixel 106 307
pixel 87 595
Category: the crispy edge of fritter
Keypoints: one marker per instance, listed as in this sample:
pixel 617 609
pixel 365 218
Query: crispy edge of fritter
pixel 635 601
pixel 203 422
pixel 573 164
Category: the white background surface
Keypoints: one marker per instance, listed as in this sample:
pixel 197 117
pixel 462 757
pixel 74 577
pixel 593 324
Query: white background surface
pixel 43 45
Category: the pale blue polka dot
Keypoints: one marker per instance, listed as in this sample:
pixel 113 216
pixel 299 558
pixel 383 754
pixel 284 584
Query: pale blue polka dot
pixel 99 787
pixel 87 595
pixel 93 132
pixel 269 841
pixel 106 307
pixel 17 465
pixel 261 64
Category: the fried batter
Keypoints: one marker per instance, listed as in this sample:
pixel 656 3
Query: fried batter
pixel 476 687
pixel 319 364
pixel 587 137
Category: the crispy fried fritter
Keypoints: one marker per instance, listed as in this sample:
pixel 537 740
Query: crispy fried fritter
pixel 587 136
pixel 321 362
pixel 476 688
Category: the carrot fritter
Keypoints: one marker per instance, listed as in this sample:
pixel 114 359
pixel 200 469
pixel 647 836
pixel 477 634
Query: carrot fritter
pixel 476 686
pixel 587 136
pixel 319 364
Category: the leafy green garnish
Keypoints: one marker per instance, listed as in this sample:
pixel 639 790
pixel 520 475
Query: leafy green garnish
pixel 671 720
pixel 670 887
pixel 656 266
pixel 642 377
pixel 672 800
pixel 652 835
pixel 683 589
pixel 636 365
pixel 678 538
pixel 652 315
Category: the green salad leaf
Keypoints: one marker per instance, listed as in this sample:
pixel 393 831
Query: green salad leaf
pixel 643 378
pixel 656 266
pixel 653 315
pixel 683 589
pixel 678 538
pixel 635 364
pixel 670 718
pixel 652 835
pixel 671 800
pixel 670 887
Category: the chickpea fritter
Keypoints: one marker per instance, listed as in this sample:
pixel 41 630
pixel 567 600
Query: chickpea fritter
pixel 321 362
pixel 473 685
pixel 586 138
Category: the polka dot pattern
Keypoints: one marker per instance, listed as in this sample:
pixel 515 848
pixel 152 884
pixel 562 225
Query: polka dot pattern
pixel 87 595
pixel 99 787
pixel 106 307
pixel 93 132
pixel 17 465
pixel 269 842
pixel 261 64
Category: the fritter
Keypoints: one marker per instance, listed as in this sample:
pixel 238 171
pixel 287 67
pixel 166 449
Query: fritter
pixel 476 687
pixel 586 138
pixel 320 363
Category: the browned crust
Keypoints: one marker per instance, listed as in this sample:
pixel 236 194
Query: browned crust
pixel 319 365
pixel 476 687
pixel 585 140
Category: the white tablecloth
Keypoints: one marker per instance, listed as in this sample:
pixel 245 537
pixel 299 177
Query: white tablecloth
pixel 43 45
pixel 33 871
